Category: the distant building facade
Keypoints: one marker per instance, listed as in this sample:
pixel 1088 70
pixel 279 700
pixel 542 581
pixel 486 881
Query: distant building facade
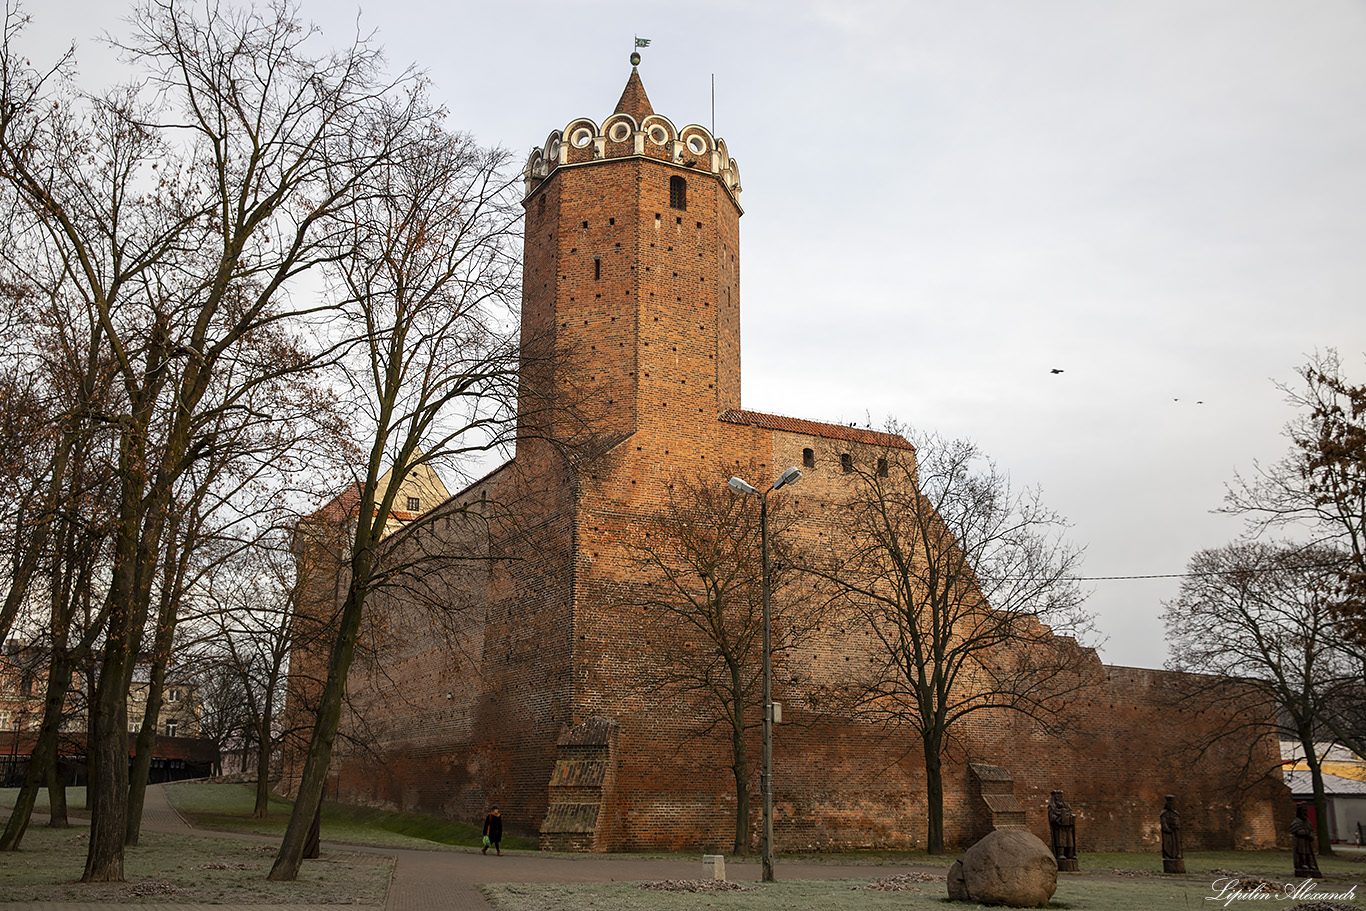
pixel 23 686
pixel 1344 782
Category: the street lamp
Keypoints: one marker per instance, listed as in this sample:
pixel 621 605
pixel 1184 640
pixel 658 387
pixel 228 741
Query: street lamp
pixel 13 754
pixel 791 476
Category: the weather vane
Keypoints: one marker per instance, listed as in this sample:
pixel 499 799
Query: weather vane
pixel 635 57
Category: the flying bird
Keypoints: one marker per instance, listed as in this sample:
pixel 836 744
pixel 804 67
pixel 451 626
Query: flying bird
pixel 1055 370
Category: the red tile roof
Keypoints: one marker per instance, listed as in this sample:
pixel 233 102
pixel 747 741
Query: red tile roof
pixel 342 507
pixel 816 429
pixel 634 101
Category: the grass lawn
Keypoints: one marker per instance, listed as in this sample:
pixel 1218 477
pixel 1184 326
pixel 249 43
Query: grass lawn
pixel 212 869
pixel 185 869
pixel 1272 864
pixel 1074 892
pixel 228 807
pixel 75 802
pixel 1108 882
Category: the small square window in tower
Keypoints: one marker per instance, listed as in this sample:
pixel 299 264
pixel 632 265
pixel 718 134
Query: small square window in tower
pixel 882 468
pixel 846 462
pixel 678 193
pixel 808 458
pixel 414 504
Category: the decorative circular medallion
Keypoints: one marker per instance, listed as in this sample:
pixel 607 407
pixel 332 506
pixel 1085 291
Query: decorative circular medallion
pixel 621 131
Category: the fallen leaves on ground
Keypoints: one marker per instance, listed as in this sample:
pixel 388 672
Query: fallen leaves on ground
pixel 904 882
pixel 149 888
pixel 694 885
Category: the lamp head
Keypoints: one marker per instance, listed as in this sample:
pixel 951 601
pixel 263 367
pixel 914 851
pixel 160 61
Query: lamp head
pixel 740 487
pixel 791 476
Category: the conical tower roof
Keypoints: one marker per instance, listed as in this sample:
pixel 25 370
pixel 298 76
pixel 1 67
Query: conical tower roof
pixel 634 101
pixel 633 130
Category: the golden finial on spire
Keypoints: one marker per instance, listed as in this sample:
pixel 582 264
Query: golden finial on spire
pixel 635 57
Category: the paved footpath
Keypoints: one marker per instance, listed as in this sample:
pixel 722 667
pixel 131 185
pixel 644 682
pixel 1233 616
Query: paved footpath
pixel 448 880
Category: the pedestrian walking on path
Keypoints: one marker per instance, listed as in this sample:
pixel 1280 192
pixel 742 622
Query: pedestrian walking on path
pixel 493 831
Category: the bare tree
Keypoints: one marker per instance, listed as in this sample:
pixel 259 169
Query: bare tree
pixel 75 622
pixel 239 482
pixel 1318 490
pixel 425 294
pixel 958 578
pixel 1259 616
pixel 252 601
pixel 700 591
pixel 175 211
pixel 69 497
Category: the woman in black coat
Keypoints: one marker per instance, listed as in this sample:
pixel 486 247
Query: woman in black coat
pixel 493 831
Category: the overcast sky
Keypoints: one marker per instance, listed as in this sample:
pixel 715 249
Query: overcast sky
pixel 1166 199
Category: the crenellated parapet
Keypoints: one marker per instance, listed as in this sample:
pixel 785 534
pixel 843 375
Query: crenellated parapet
pixel 620 136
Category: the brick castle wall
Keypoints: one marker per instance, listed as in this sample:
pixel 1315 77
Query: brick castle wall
pixel 527 629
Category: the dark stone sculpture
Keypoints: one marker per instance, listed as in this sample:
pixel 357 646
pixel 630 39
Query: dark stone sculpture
pixel 1302 833
pixel 1062 823
pixel 1173 861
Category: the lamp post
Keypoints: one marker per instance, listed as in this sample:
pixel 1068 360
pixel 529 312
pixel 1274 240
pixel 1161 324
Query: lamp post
pixel 10 776
pixel 13 754
pixel 791 476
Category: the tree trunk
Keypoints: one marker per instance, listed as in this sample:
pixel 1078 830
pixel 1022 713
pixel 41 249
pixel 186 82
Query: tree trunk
pixel 22 573
pixel 44 759
pixel 1304 731
pixel 142 757
pixel 262 808
pixel 108 788
pixel 934 799
pixel 56 797
pixel 739 765
pixel 172 576
pixel 144 747
pixel 313 845
pixel 107 746
pixel 23 805
pixel 319 757
pixel 1325 835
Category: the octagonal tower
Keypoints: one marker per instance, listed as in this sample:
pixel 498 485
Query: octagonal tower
pixel 632 263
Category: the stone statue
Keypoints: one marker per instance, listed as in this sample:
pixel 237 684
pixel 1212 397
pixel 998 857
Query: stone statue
pixel 1062 823
pixel 1173 861
pixel 1302 833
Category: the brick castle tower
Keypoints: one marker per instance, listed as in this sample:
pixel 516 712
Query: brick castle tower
pixel 632 262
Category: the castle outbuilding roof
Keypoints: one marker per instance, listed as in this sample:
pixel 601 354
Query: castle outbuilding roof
pixel 634 101
pixel 815 428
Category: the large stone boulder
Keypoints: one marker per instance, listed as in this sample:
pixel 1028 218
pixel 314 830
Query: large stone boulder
pixel 1010 867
